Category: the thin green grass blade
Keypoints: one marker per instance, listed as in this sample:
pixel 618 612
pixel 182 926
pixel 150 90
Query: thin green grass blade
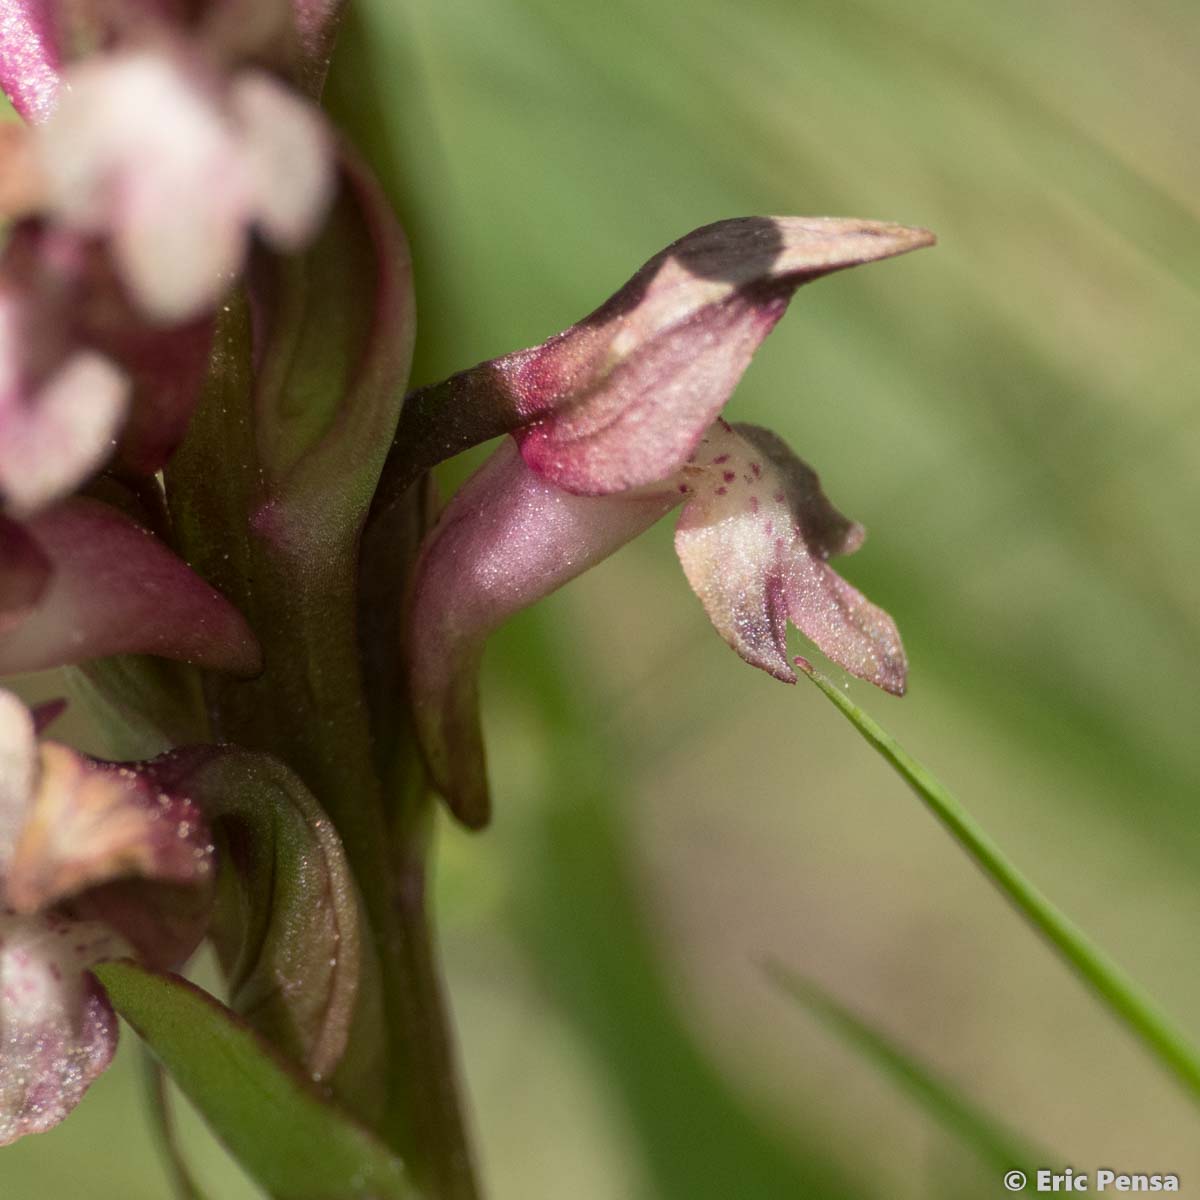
pixel 994 1145
pixel 277 1124
pixel 1120 994
pixel 162 1123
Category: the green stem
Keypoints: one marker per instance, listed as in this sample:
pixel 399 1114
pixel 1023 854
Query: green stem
pixel 183 1185
pixel 309 707
pixel 1124 998
pixel 426 1118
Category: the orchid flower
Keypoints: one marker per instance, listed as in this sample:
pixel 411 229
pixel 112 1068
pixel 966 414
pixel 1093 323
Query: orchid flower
pixel 215 509
pixel 175 167
pixel 152 164
pixel 95 864
pixel 615 423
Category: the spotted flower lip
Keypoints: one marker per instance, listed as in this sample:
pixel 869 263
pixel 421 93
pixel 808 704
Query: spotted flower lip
pixel 620 399
pixel 753 537
pixel 83 846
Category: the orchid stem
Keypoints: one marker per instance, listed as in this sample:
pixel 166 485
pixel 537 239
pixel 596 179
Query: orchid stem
pixel 426 1118
pixel 1116 990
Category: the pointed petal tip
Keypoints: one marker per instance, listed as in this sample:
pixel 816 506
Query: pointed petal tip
pixel 117 589
pixel 472 811
pixel 458 772
pixel 821 244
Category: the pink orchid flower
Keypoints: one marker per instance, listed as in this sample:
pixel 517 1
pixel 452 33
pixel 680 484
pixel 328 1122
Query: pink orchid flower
pixel 615 423
pixel 95 864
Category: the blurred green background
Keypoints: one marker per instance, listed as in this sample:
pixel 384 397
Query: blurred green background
pixel 1012 415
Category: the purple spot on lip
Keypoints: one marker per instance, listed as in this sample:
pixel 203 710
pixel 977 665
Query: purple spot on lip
pixel 684 489
pixel 779 497
pixel 754 504
pixel 721 491
pixel 721 458
pixel 756 469
pixel 729 476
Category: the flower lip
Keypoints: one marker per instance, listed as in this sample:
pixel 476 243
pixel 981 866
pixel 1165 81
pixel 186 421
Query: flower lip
pixel 96 863
pixel 753 538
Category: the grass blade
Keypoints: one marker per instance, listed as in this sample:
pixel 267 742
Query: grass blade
pixel 994 1144
pixel 1122 996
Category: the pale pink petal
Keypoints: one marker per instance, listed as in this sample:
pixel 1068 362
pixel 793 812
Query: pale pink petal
pixel 620 399
pixel 29 56
pixel 288 158
pixel 180 240
pixel 140 151
pixel 53 441
pixel 117 589
pixel 18 771
pixel 753 538
pixel 507 539
pixel 57 1029
pixel 644 420
pixel 88 823
pixel 24 574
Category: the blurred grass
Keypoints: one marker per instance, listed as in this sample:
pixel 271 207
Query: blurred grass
pixel 1013 415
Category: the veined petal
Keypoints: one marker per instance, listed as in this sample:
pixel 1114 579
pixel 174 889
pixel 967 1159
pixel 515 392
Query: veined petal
pixel 88 823
pixel 57 1029
pixel 288 926
pixel 116 589
pixel 620 399
pixel 507 539
pixel 30 56
pixel 753 538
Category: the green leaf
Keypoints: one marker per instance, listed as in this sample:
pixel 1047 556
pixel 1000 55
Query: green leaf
pixel 288 926
pixel 1120 994
pixel 280 1127
pixel 994 1144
